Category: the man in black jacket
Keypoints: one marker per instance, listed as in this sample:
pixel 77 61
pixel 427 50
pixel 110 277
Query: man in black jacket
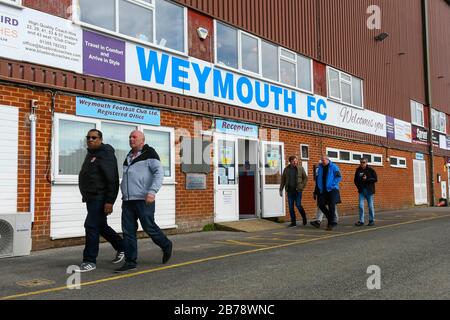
pixel 99 185
pixel 365 179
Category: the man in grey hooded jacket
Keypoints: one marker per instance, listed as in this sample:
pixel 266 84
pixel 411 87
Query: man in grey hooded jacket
pixel 143 176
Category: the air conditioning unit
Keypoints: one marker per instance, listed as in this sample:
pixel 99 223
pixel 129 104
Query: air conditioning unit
pixel 15 234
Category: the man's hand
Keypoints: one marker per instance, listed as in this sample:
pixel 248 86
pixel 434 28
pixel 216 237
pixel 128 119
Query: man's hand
pixel 281 193
pixel 150 199
pixel 108 208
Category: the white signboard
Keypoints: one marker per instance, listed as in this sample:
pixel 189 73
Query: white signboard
pixel 403 131
pixel 33 36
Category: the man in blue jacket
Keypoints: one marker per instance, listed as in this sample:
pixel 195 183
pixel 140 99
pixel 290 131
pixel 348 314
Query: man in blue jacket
pixel 328 180
pixel 143 176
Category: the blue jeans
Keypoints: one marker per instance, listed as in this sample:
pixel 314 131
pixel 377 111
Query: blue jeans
pixel 295 198
pixel 96 225
pixel 364 195
pixel 131 212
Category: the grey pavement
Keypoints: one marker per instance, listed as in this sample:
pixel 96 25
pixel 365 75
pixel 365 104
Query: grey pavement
pixel 411 248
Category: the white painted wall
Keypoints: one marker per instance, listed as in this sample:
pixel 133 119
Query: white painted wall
pixel 9 135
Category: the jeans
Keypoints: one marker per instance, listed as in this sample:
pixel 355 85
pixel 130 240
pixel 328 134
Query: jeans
pixel 131 212
pixel 365 195
pixel 96 225
pixel 327 204
pixel 295 198
pixel 319 215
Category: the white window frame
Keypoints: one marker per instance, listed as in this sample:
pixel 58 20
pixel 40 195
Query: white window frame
pixel 13 3
pixel 437 126
pixel 73 179
pixel 152 6
pixel 259 75
pixel 339 99
pixel 416 106
pixel 398 165
pixel 301 153
pixel 352 161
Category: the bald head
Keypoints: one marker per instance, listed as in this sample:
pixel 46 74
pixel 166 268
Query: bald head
pixel 137 140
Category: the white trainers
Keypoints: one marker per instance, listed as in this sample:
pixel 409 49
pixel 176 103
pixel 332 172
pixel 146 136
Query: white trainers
pixel 119 257
pixel 86 267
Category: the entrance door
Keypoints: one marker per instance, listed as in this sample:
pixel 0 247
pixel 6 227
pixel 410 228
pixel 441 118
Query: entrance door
pixel 226 179
pixel 248 178
pixel 272 163
pixel 420 182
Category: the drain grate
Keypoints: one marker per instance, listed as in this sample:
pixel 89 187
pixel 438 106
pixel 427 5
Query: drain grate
pixel 35 283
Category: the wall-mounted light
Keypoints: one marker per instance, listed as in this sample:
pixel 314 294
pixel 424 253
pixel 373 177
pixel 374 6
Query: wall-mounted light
pixel 202 33
pixel 381 36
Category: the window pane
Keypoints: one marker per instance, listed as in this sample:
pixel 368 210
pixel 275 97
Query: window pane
pixel 357 92
pixel 368 157
pixel 227 52
pixel 288 54
pixel 344 156
pixel 357 157
pixel 100 13
pixel 413 112
pixel 442 121
pixel 135 21
pixel 394 161
pixel 335 89
pixel 420 118
pixel 72 145
pixel 273 164
pixel 402 162
pixel 117 135
pixel 304 73
pixel 160 141
pixel 169 25
pixel 346 92
pixel 305 152
pixel 287 73
pixel 250 54
pixel 227 166
pixel 332 154
pixel 345 77
pixel 269 61
pixel 377 160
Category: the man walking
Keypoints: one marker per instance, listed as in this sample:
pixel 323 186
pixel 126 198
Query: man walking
pixel 365 179
pixel 294 181
pixel 328 179
pixel 143 176
pixel 99 186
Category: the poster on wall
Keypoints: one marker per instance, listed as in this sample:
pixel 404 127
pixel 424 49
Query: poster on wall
pixel 103 56
pixel 226 155
pixel 33 36
pixel 402 131
pixel 419 135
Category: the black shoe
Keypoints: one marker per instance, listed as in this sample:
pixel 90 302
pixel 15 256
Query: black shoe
pixel 359 224
pixel 315 224
pixel 305 221
pixel 167 253
pixel 371 223
pixel 126 267
pixel 292 225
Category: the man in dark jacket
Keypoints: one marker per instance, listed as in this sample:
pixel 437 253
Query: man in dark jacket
pixel 365 179
pixel 294 182
pixel 99 186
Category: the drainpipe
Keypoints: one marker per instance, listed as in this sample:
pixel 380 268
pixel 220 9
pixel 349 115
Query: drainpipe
pixel 33 118
pixel 426 41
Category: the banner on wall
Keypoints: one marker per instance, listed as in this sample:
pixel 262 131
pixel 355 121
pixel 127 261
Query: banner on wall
pixel 33 36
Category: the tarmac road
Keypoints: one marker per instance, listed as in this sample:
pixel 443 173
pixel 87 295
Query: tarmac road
pixel 411 249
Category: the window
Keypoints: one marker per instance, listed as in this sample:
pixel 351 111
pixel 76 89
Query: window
pixel 269 55
pixel 345 88
pixel 353 157
pixel 397 162
pixel 13 2
pixel 417 114
pixel 70 144
pixel 227 45
pixel 439 121
pixel 249 53
pixel 158 22
pixel 239 50
pixel 304 152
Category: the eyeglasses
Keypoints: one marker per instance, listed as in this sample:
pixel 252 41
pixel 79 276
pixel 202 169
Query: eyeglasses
pixel 91 138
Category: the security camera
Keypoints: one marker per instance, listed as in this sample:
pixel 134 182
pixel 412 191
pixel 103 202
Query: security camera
pixel 34 104
pixel 202 33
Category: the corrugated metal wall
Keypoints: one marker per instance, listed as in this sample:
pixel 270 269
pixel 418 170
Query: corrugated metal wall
pixel 440 54
pixel 335 32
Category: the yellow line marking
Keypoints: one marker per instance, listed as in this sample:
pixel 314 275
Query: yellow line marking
pixel 274 239
pixel 245 244
pixel 193 262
